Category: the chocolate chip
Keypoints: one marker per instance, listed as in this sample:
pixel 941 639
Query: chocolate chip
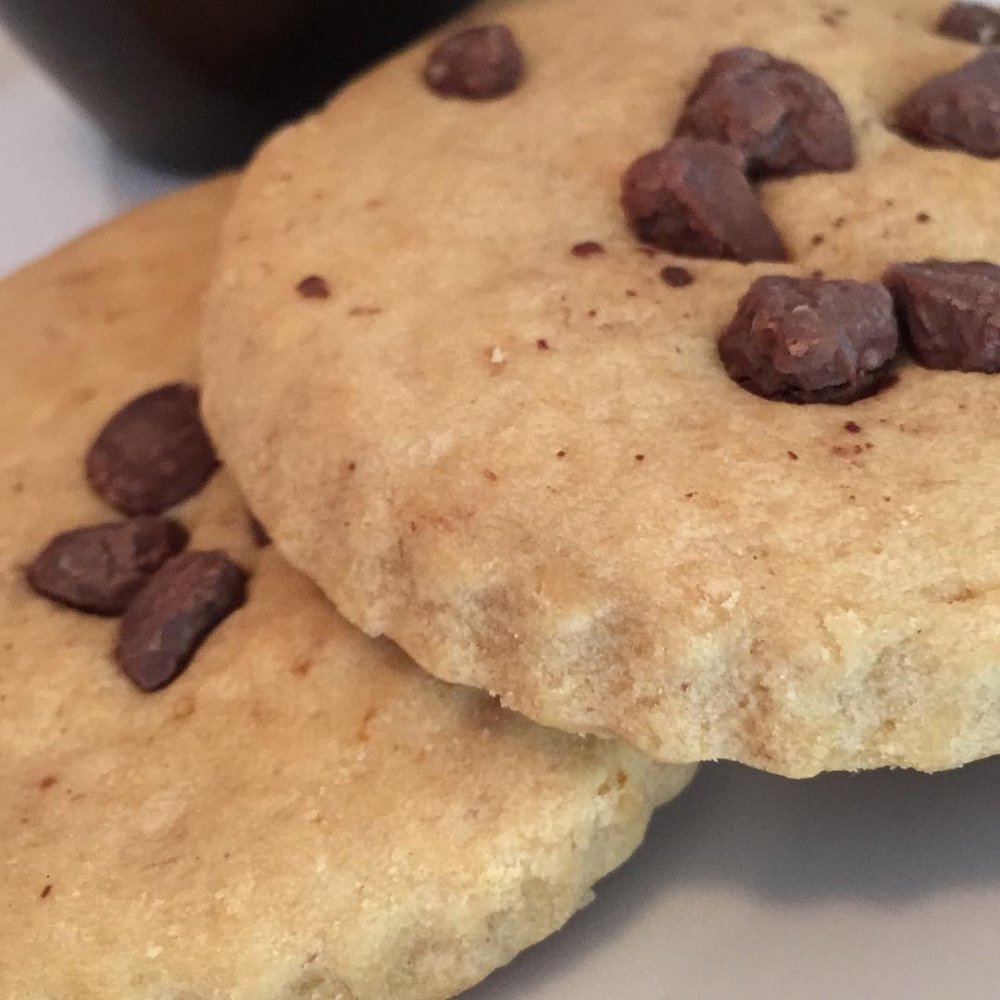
pixel 153 453
pixel 677 277
pixel 958 110
pixel 477 63
pixel 173 614
pixel 951 312
pixel 804 340
pixel 972 22
pixel 258 532
pixel 692 197
pixel 783 118
pixel 588 248
pixel 101 568
pixel 313 286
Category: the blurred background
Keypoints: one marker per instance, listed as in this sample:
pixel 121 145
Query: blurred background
pixel 107 102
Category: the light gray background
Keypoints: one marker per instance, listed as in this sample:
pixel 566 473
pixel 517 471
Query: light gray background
pixel 882 886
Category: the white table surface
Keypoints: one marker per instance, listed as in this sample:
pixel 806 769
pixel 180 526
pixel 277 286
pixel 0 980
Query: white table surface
pixel 882 886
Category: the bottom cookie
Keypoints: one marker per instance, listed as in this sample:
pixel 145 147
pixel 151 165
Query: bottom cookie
pixel 302 813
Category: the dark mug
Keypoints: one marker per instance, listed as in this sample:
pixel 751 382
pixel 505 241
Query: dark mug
pixel 193 85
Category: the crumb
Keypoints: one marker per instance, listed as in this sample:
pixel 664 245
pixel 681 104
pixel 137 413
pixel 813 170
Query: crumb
pixel 588 248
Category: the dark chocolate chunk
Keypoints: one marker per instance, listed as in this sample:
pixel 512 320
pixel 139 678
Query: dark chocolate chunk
pixel 957 110
pixel 477 63
pixel 313 286
pixel 692 197
pixel 153 453
pixel 677 277
pixel 258 532
pixel 102 567
pixel 174 612
pixel 950 312
pixel 972 22
pixel 783 118
pixel 805 340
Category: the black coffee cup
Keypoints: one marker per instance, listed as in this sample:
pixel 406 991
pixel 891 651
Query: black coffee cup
pixel 193 85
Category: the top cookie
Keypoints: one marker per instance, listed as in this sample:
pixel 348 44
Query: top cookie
pixel 504 435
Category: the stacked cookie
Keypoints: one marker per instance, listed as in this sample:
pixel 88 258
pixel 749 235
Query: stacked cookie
pixel 628 363
pixel 215 787
pixel 685 446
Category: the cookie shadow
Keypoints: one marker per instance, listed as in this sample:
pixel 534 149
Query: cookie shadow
pixel 882 837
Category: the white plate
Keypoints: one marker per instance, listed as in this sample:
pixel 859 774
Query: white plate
pixel 750 887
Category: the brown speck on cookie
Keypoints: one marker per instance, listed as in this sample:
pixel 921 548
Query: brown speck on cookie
pixel 852 427
pixel 922 217
pixel 588 248
pixel 258 532
pixel 478 63
pixel 640 458
pixel 46 892
pixel 817 239
pixel 957 110
pixel 490 475
pixel 560 453
pixel 692 197
pixel 542 344
pixel 47 782
pixel 676 277
pixel 313 286
pixel 153 453
pixel 802 340
pixel 793 456
pixel 782 117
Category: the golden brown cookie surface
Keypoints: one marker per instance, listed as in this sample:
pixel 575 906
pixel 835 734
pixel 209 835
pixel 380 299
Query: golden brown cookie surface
pixel 303 813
